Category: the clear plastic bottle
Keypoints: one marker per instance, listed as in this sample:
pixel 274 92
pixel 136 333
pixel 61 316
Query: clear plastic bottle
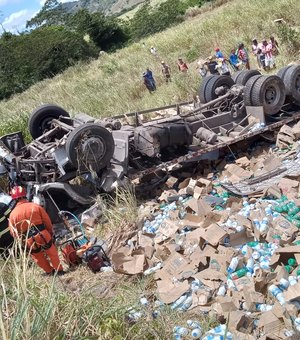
pixel 222 290
pixel 153 269
pixel 181 330
pixel 262 307
pixel 186 304
pixel 179 301
pixel 193 324
pixel 196 333
pixel 233 265
pixel 277 293
pixel 292 280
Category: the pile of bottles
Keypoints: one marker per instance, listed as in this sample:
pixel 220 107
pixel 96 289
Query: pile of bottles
pixel 193 330
pixel 289 209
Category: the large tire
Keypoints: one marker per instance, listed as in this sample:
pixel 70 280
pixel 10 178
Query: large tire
pixel 249 88
pixel 268 92
pixel 90 147
pixel 203 86
pixel 291 81
pixel 218 81
pixel 39 120
pixel 282 72
pixel 245 75
pixel 236 75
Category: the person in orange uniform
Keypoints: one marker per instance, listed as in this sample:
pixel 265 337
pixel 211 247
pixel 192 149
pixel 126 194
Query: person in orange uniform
pixel 32 224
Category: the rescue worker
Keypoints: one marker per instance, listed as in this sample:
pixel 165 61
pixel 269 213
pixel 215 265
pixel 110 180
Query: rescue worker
pixel 30 222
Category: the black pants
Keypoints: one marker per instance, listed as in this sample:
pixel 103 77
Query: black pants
pixel 6 240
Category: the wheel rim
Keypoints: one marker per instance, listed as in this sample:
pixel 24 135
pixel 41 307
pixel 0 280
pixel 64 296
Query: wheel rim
pixel 270 95
pixel 93 148
pixel 45 123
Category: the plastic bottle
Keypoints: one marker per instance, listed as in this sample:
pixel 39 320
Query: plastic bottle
pixel 222 290
pixel 288 268
pixel 250 264
pixel 297 324
pixel 153 269
pixel 186 304
pixel 193 324
pixel 283 284
pixel 195 285
pixel 179 301
pixel 277 293
pixel 255 255
pixel 292 262
pixel 268 210
pixel 144 302
pixel 239 273
pixel 196 333
pixel 292 280
pixel 256 224
pixel 233 265
pixel 264 225
pixel 262 307
pixel 180 330
pixel 182 211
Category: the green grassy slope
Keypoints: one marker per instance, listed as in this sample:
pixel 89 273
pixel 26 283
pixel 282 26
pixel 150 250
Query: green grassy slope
pixel 113 83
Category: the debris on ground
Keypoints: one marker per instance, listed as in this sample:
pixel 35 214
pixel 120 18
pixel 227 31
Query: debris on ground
pixel 218 252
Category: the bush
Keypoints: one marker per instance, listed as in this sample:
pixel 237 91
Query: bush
pixel 43 53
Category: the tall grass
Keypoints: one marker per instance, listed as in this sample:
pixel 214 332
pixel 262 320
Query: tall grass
pixel 112 84
pixel 79 305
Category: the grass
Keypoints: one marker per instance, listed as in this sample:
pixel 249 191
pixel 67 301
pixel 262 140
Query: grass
pixel 113 84
pixel 79 305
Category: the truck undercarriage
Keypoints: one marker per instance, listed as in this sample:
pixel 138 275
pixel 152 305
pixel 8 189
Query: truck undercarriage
pixel 138 147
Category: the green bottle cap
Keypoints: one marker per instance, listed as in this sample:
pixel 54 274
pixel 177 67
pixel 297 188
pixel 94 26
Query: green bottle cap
pixel 297 243
pixel 292 262
pixel 298 272
pixel 288 268
pixel 277 237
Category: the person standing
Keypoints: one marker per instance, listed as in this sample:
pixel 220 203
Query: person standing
pixel 166 71
pixel 147 82
pixel 182 66
pixel 153 51
pixel 149 76
pixel 234 60
pixel 267 51
pixel 255 50
pixel 243 55
pixel 30 223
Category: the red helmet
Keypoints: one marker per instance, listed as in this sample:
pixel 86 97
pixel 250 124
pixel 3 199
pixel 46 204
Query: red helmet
pixel 217 49
pixel 18 192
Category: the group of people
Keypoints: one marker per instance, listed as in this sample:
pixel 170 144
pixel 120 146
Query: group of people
pixel 265 53
pixel 148 78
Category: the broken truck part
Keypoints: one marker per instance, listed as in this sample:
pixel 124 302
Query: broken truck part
pixel 111 151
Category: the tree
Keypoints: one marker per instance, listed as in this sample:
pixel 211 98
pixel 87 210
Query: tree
pixel 42 53
pixel 51 13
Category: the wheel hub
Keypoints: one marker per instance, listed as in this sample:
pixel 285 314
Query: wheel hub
pixel 270 95
pixel 93 149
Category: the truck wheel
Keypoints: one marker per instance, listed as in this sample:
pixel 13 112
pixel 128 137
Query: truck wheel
pixel 203 86
pixel 245 75
pixel 225 81
pixel 90 147
pixel 282 72
pixel 236 75
pixel 269 92
pixel 248 90
pixel 40 118
pixel 291 79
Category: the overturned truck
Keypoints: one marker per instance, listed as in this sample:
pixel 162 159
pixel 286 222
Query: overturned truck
pixel 137 147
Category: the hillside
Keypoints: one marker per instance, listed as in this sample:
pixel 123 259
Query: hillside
pixel 106 6
pixel 112 84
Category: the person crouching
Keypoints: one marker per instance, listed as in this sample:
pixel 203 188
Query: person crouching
pixel 30 222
